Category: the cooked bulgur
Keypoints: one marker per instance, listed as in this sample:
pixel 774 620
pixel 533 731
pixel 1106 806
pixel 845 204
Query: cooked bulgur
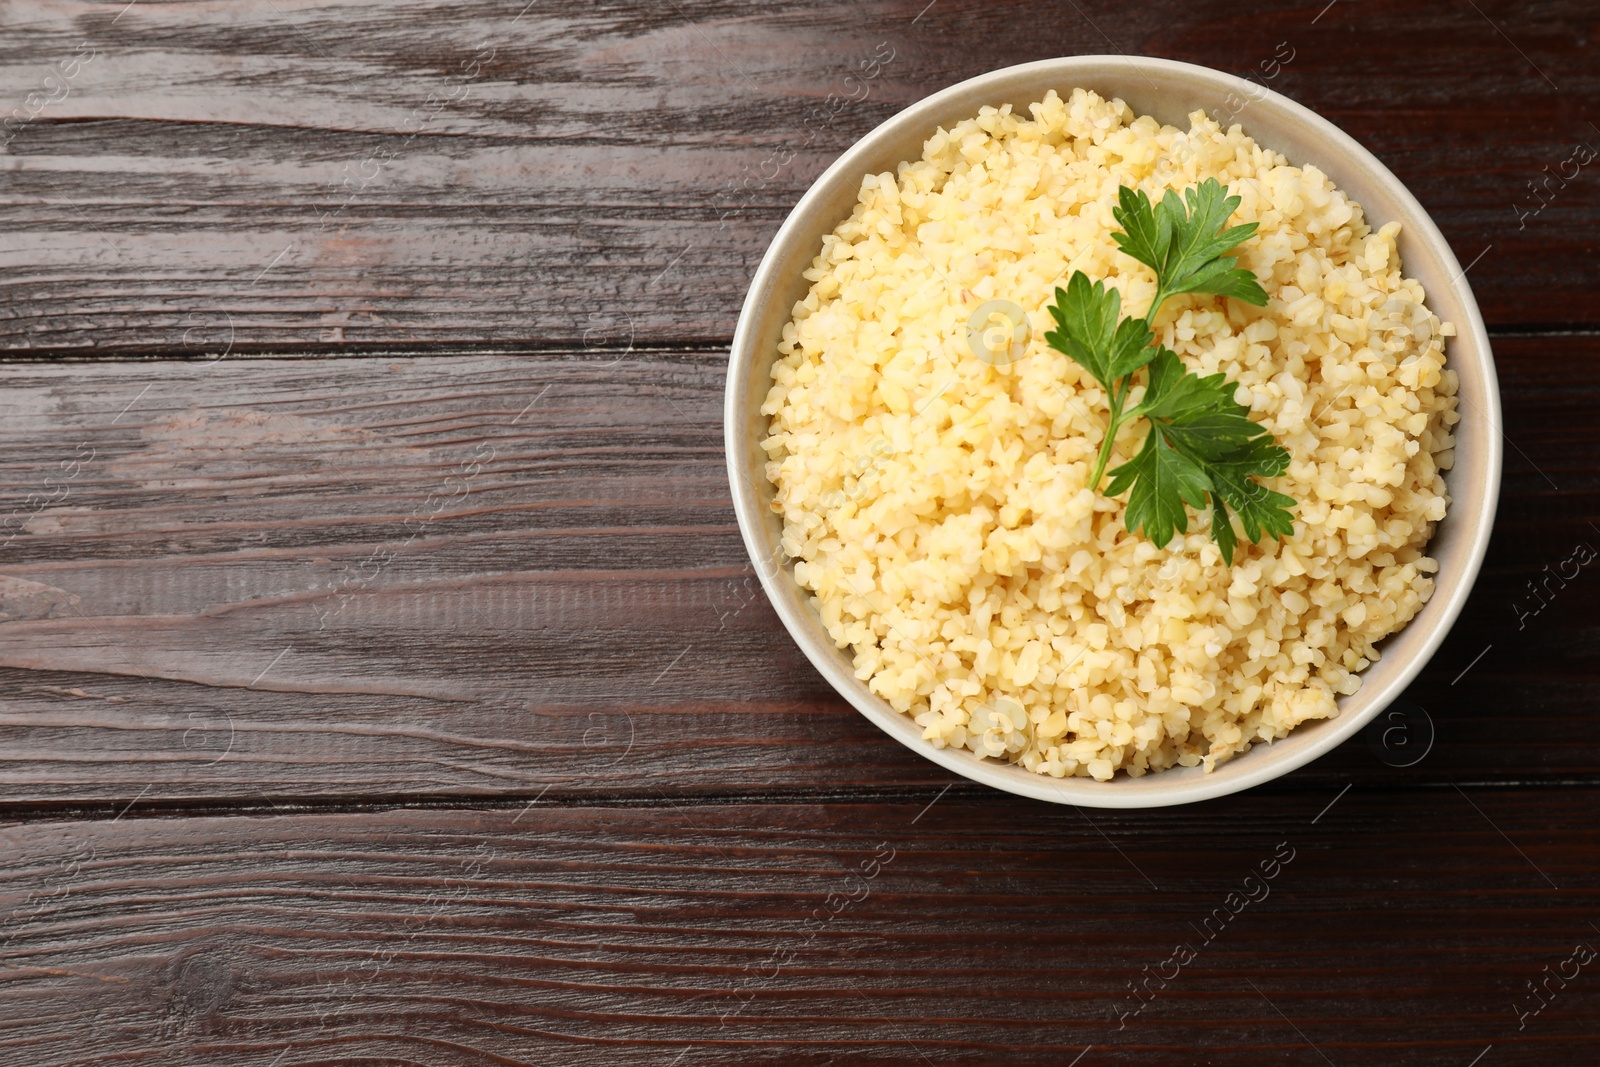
pixel 935 501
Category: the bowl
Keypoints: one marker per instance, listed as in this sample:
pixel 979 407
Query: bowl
pixel 1169 91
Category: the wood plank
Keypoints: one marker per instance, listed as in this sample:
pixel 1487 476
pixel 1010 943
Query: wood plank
pixel 1399 927
pixel 342 174
pixel 432 576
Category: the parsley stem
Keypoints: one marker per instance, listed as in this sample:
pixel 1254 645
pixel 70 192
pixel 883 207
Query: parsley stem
pixel 1118 395
pixel 1155 306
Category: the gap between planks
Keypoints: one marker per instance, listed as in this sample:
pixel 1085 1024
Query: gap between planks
pixel 693 346
pixel 135 354
pixel 117 809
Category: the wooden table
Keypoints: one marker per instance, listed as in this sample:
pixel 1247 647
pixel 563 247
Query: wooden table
pixel 384 681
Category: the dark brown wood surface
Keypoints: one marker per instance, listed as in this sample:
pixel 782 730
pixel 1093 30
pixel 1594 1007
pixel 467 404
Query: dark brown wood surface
pixel 1397 923
pixel 382 679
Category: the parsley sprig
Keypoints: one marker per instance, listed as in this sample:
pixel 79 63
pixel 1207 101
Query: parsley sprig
pixel 1201 443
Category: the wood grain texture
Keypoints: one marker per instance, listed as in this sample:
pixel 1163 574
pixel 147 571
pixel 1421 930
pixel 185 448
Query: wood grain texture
pixel 1392 927
pixel 342 174
pixel 494 575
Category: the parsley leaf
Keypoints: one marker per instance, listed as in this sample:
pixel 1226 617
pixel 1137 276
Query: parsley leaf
pixel 1163 480
pixel 1260 509
pixel 1183 245
pixel 1201 443
pixel 1088 330
pixel 1198 419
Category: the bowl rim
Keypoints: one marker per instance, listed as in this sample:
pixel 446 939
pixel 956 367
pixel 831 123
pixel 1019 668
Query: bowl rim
pixel 808 633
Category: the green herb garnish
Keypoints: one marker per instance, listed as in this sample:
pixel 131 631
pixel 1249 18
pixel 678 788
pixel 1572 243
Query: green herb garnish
pixel 1201 443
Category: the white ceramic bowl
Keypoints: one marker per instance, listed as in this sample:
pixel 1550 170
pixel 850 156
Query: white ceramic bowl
pixel 1169 91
